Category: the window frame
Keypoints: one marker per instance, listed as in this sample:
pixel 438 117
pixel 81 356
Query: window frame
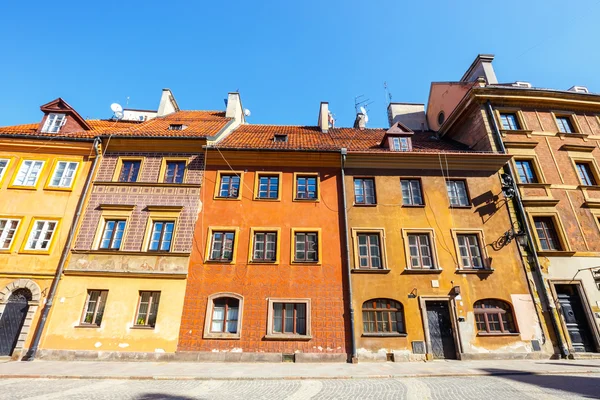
pixel 520 118
pixel 421 193
pixel 592 166
pixel 515 121
pixel 294 231
pixel 382 249
pixel 209 241
pixel 315 175
pixel 4 172
pixel 467 193
pixel 485 260
pixel 32 223
pixel 153 221
pixel 498 311
pixel 112 212
pixel 46 127
pixel 401 148
pixel 102 299
pixel 572 122
pixel 363 178
pixel 537 170
pixel 42 170
pixel 258 175
pixel 207 334
pixel 558 227
pixel 15 234
pixel 253 232
pixel 112 237
pixel 119 167
pixel 220 174
pixel 151 303
pixel 164 167
pixel 288 336
pixel 388 310
pixel 49 186
pixel 432 248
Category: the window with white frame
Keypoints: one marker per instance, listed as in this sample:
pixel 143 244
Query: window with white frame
pixel 221 248
pixel 147 309
pixel 457 193
pixel 93 310
pixel 8 228
pixel 29 173
pixel 400 144
pixel 3 166
pixel 162 235
pixel 54 122
pixel 41 235
pixel 265 246
pixel 470 251
pixel 411 192
pixel 421 254
pixel 64 174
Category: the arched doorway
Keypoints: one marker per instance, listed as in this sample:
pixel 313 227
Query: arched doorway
pixel 12 320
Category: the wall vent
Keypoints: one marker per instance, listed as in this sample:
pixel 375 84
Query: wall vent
pixel 288 357
pixel 536 345
pixel 418 347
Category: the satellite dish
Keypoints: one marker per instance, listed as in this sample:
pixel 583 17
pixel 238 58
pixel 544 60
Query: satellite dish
pixel 363 110
pixel 118 114
pixel 116 107
pixel 247 112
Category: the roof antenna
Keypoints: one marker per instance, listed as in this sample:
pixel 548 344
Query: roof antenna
pixel 361 106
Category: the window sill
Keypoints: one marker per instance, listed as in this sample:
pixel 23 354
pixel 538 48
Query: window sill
pixel 573 134
pixel 516 131
pixel 422 271
pixel 489 334
pixel 261 199
pixel 23 187
pixel 309 263
pixel 384 335
pixel 142 327
pixel 132 253
pixel 534 185
pixel 475 271
pixel 316 200
pixel 555 253
pixel 40 252
pixel 252 262
pixel 463 207
pixel 87 326
pixel 594 187
pixel 364 205
pixel 227 198
pixel 219 261
pixel 222 336
pixel 287 337
pixel 59 189
pixel 370 271
pixel 413 205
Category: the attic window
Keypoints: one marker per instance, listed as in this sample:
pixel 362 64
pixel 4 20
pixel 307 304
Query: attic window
pixel 177 127
pixel 280 137
pixel 54 122
pixel 400 144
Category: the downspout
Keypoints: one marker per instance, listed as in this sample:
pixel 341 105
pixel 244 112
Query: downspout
pixel 354 358
pixel 35 342
pixel 546 297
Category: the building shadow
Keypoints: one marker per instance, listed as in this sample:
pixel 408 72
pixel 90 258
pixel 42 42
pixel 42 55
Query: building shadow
pixel 575 365
pixel 586 386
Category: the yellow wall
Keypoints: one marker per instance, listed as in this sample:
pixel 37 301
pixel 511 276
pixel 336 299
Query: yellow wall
pixel 115 332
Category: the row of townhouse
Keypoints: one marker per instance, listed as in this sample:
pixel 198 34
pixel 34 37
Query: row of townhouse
pixel 468 229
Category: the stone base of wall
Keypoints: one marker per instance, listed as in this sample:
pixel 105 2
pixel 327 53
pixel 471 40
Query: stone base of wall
pixel 406 356
pixel 201 356
pixel 538 355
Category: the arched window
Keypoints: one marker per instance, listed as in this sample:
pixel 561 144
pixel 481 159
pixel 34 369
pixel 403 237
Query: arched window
pixel 223 316
pixel 383 316
pixel 494 316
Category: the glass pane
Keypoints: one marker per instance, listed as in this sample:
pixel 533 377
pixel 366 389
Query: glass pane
pixel 278 317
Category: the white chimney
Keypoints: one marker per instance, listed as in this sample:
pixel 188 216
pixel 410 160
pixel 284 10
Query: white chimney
pixel 361 121
pixel 234 107
pixel 411 115
pixel 323 122
pixel 167 104
pixel 481 67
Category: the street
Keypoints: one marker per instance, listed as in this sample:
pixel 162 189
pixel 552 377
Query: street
pixel 513 387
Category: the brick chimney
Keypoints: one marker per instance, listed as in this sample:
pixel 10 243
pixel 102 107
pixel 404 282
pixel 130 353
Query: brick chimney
pixel 361 121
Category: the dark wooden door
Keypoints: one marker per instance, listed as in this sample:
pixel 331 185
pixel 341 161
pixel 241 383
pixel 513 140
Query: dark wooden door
pixel 571 308
pixel 12 320
pixel 440 330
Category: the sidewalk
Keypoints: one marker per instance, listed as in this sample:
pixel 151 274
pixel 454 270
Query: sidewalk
pixel 266 371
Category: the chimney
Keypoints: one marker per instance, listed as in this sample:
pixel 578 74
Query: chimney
pixel 167 104
pixel 323 122
pixel 234 107
pixel 411 115
pixel 481 67
pixel 360 122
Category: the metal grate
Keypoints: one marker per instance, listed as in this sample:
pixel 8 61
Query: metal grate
pixel 390 357
pixel 288 357
pixel 418 347
pixel 536 345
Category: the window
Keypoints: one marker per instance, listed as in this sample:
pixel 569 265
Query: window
pixel 147 309
pixel 41 235
pixel 457 193
pixel 526 171
pixel 177 127
pixel 162 236
pixel 268 187
pixel 420 251
pixel 369 251
pixel 225 315
pixel 112 235
pixel 64 174
pixel 470 251
pixel 221 248
pixel 53 123
pixel 564 124
pixel 494 316
pixel 3 167
pixel 130 170
pixel 94 307
pixel 29 173
pixel 509 121
pixel 289 318
pixel 265 246
pixel 586 174
pixel 280 137
pixel 411 192
pixel 364 190
pixel 441 118
pixel 546 232
pixel 400 144
pixel 306 187
pixel 229 186
pixel 306 246
pixel 8 229
pixel 174 171
pixel 383 316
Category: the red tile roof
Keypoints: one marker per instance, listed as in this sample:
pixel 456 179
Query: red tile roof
pixel 311 138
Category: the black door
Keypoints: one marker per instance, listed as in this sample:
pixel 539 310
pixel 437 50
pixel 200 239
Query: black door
pixel 574 317
pixel 440 330
pixel 12 320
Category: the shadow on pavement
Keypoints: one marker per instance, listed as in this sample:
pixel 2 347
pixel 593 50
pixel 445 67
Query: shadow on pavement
pixel 586 386
pixel 163 396
pixel 573 365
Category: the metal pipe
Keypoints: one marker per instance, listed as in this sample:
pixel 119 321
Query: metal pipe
pixel 35 342
pixel 354 358
pixel 546 297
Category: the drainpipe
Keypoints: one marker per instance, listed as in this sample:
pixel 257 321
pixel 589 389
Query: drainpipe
pixel 354 358
pixel 546 297
pixel 35 342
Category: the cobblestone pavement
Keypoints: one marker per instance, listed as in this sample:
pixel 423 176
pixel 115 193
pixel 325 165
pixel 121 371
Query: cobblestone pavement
pixel 506 387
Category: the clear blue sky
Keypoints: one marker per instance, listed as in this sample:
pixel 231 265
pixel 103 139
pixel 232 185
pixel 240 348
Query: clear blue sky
pixel 284 56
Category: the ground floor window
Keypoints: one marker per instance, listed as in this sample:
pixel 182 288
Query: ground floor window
pixel 494 316
pixel 383 316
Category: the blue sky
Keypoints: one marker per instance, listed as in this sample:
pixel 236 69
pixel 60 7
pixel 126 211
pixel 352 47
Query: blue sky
pixel 283 56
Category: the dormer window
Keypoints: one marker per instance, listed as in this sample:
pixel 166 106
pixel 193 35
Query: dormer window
pixel 54 122
pixel 282 138
pixel 400 144
pixel 177 127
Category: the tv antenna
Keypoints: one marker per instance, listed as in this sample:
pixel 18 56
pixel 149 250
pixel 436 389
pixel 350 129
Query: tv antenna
pixel 117 110
pixel 360 105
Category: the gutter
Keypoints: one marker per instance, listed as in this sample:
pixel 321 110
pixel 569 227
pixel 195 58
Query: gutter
pixel 48 138
pixel 546 297
pixel 35 342
pixel 354 358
